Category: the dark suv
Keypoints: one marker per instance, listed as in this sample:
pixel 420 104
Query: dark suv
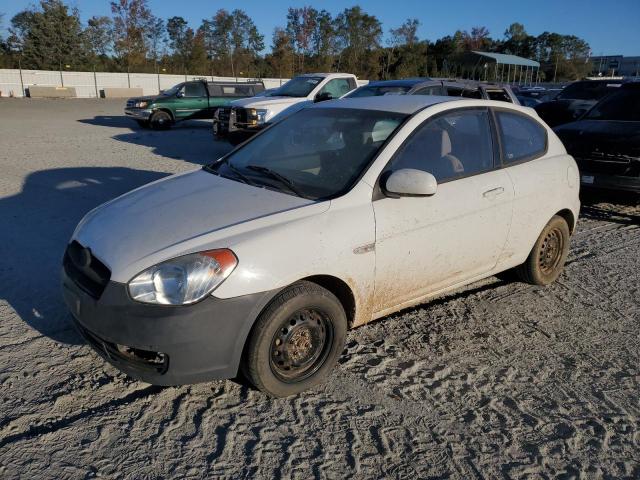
pixel 605 141
pixel 575 99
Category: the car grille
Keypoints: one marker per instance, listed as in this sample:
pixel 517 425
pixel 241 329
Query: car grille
pixel 241 115
pixel 223 114
pixel 85 270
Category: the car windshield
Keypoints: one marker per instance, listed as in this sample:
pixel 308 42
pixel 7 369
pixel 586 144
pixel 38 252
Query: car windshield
pixel 297 87
pixel 589 90
pixel 316 153
pixel 623 105
pixel 173 90
pixel 378 91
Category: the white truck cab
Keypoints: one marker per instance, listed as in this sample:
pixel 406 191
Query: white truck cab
pixel 245 116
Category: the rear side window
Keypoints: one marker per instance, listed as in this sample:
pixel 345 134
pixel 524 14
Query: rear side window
pixel 522 138
pixel 194 89
pixel 435 90
pixel 452 145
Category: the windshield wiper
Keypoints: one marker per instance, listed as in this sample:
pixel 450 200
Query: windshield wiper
pixel 236 171
pixel 277 176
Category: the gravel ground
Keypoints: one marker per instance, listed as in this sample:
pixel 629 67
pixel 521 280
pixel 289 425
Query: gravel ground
pixel 502 380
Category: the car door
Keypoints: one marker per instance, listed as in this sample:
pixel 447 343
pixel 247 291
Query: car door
pixel 194 103
pixel 425 244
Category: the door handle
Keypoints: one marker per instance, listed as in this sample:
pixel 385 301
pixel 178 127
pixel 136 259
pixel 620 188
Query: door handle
pixel 493 193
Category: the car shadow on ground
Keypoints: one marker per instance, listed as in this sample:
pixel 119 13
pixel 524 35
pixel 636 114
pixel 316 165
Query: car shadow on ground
pixel 36 226
pixel 616 207
pixel 190 141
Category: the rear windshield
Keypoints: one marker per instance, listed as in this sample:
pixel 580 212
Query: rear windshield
pixel 315 153
pixel 623 105
pixel 587 90
pixel 378 91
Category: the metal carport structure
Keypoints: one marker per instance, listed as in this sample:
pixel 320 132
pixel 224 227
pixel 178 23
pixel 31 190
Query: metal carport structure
pixel 501 67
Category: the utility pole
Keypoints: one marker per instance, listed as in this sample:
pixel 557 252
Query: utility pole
pixel 555 71
pixel 21 80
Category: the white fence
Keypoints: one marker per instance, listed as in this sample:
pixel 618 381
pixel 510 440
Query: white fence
pixel 88 84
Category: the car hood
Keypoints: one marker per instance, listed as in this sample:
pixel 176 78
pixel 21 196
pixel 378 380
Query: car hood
pixel 147 98
pixel 278 103
pixel 153 222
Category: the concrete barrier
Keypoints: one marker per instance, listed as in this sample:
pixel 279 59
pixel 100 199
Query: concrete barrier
pixel 39 91
pixel 121 92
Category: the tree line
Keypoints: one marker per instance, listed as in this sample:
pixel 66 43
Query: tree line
pixel 52 36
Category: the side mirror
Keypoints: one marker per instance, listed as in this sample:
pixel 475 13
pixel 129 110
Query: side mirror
pixel 409 182
pixel 323 96
pixel 180 94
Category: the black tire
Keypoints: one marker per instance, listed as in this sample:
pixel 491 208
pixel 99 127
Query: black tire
pixel 549 254
pixel 296 341
pixel 161 120
pixel 143 123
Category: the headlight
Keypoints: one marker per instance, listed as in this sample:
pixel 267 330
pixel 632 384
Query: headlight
pixel 183 280
pixel 262 115
pixel 141 104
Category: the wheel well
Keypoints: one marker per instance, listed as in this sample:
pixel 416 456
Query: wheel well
pixel 166 110
pixel 341 290
pixel 569 218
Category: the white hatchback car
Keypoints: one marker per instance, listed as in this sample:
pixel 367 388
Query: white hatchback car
pixel 340 214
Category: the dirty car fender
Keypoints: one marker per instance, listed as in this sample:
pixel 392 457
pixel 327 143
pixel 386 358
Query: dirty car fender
pixel 338 242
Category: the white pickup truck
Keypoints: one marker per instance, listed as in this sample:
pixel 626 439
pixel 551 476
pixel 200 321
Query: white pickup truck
pixel 243 118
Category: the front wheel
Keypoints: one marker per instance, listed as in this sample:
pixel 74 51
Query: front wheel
pixel 296 341
pixel 160 120
pixel 549 254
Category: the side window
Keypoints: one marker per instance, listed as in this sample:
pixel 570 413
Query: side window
pixel 194 89
pixel 522 138
pixel 498 95
pixel 455 144
pixel 437 90
pixel 337 87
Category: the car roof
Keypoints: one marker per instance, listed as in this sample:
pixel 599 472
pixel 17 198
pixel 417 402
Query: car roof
pixel 405 82
pixel 407 104
pixel 325 74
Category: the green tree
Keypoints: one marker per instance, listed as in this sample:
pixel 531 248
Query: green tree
pixel 358 35
pixel 280 60
pixel 131 20
pixel 99 34
pixel 233 40
pixel 49 36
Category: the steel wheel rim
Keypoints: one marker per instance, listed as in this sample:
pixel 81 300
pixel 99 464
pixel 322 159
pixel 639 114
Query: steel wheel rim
pixel 551 251
pixel 301 345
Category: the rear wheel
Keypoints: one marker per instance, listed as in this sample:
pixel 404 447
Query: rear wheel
pixel 296 341
pixel 160 120
pixel 549 254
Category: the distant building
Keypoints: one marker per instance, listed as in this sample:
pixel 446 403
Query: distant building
pixel 615 65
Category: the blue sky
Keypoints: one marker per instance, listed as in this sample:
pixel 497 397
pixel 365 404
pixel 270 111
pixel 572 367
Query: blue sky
pixel 610 27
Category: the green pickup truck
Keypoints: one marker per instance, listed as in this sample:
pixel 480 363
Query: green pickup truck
pixel 192 99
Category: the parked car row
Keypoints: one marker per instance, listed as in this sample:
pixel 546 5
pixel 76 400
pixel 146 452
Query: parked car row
pixel 244 118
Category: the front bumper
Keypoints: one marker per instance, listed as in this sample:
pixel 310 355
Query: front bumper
pixel 165 345
pixel 138 113
pixel 610 182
